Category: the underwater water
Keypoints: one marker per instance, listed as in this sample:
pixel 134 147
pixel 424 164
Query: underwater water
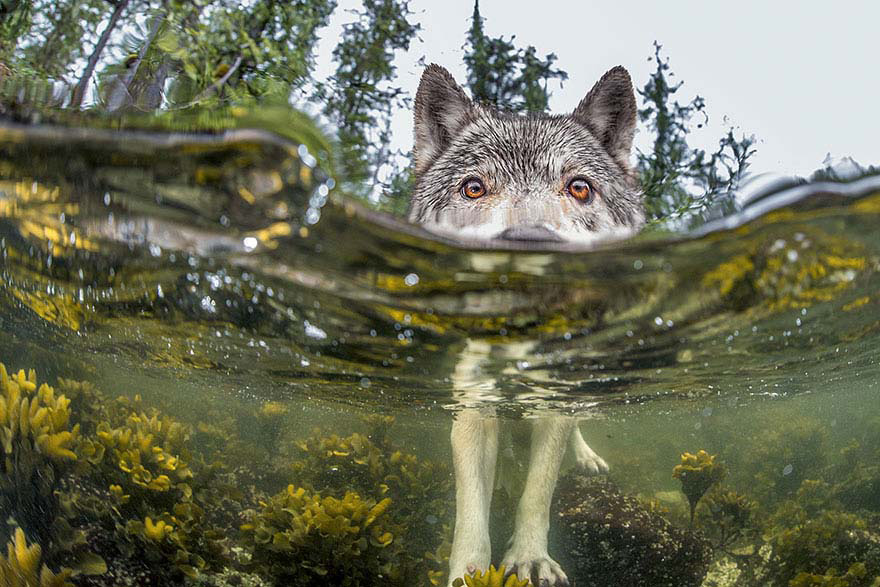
pixel 259 377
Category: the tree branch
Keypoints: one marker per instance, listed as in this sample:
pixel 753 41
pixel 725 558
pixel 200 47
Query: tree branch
pixel 120 94
pixel 215 87
pixel 79 91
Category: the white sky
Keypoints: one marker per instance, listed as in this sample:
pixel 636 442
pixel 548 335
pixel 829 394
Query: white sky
pixel 802 76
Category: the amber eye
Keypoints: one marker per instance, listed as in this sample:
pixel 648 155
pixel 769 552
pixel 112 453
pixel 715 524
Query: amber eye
pixel 473 188
pixel 579 189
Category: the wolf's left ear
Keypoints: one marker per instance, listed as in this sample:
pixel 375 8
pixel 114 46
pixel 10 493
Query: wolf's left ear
pixel 441 110
pixel 609 111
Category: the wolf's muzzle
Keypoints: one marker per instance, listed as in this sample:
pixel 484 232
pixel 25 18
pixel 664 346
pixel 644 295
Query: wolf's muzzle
pixel 530 233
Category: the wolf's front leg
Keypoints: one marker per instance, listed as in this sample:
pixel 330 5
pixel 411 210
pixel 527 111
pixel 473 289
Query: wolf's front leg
pixel 527 555
pixel 474 452
pixel 586 458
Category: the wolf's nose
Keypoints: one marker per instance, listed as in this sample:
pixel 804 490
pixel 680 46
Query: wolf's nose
pixel 530 233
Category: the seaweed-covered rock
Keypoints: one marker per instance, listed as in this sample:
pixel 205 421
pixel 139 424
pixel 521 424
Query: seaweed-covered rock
pixel 608 538
pixel 824 548
pixel 135 498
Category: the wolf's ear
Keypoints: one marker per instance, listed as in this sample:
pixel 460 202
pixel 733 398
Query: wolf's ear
pixel 609 111
pixel 441 110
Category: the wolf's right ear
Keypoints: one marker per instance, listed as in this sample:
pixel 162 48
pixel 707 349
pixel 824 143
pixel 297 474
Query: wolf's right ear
pixel 442 108
pixel 609 111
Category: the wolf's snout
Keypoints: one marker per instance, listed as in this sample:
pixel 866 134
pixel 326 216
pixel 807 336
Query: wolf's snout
pixel 530 233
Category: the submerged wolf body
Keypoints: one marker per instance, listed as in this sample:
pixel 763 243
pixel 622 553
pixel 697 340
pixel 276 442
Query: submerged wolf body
pixel 488 175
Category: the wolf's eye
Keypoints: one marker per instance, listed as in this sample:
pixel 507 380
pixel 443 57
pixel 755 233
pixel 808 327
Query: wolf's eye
pixel 579 189
pixel 473 188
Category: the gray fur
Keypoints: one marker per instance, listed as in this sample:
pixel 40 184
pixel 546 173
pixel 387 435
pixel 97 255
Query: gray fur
pixel 525 163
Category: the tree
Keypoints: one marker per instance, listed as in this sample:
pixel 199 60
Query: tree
pixel 15 20
pixel 504 76
pixel 360 98
pixel 59 35
pixel 681 183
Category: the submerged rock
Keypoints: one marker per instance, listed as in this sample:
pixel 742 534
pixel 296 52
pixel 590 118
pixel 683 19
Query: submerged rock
pixel 605 537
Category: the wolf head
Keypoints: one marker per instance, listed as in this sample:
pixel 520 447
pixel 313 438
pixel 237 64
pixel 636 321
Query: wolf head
pixel 485 174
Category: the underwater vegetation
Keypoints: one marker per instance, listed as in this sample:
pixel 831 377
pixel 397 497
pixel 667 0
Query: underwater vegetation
pixel 491 577
pixel 94 480
pixel 113 488
pixel 104 491
pixel 854 576
pixel 808 518
pixel 21 566
pixel 697 473
pixel 37 441
pixel 139 495
pixel 836 548
pixel 727 518
pixel 300 538
pixel 370 465
pixel 610 538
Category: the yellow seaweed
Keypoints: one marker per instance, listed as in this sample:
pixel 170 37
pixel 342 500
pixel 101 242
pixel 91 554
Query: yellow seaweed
pixel 491 577
pixel 21 566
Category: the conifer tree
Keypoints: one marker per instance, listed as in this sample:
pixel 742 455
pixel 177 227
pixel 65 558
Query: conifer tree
pixel 361 96
pixel 681 183
pixel 504 76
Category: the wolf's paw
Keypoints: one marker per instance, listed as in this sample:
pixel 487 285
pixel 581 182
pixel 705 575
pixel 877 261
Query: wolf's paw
pixel 468 558
pixel 538 566
pixel 587 460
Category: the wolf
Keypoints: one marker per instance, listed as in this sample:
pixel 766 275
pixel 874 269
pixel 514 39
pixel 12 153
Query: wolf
pixel 482 174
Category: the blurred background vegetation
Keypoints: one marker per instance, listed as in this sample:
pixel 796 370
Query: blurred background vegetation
pixel 172 56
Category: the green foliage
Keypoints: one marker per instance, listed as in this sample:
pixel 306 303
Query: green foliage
pixel 15 20
pixel 682 183
pixel 504 76
pixel 240 54
pixel 45 38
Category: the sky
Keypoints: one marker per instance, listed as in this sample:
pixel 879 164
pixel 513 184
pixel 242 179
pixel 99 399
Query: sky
pixel 801 76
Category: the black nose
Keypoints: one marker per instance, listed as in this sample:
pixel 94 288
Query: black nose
pixel 530 233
